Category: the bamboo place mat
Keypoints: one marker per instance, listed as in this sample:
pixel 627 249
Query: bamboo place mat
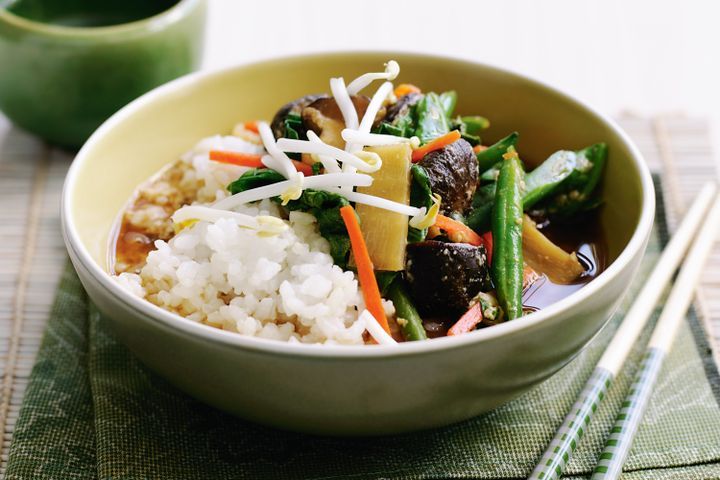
pixel 32 254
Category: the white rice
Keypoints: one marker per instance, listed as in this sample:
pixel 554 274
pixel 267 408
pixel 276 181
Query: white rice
pixel 282 287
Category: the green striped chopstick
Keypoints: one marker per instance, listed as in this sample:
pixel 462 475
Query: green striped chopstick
pixel 558 453
pixel 618 445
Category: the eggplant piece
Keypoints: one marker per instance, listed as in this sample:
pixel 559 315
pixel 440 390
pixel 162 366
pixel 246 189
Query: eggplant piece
pixel 453 175
pixel 292 108
pixel 444 277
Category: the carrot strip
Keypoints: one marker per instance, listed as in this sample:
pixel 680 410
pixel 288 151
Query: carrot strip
pixel 252 160
pixel 468 321
pixel 488 242
pixel 303 167
pixel 252 126
pixel 436 144
pixel 458 231
pixel 366 274
pixel 406 89
pixel 479 148
pixel 237 158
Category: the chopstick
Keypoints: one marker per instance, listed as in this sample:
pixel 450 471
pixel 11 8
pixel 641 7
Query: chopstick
pixel 558 453
pixel 621 437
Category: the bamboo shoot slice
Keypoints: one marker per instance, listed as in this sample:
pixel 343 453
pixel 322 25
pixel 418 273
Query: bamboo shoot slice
pixel 386 232
pixel 545 257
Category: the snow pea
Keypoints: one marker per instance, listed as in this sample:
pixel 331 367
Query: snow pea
pixel 507 218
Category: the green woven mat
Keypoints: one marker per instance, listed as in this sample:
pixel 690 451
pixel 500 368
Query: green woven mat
pixel 92 411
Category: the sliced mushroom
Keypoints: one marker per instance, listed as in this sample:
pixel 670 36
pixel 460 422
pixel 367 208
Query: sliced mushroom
pixel 295 107
pixel 453 175
pixel 445 277
pixel 323 116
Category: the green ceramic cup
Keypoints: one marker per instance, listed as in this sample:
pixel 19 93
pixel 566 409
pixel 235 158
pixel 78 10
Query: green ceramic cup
pixel 67 65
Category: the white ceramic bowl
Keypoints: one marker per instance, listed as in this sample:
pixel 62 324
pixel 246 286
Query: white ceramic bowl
pixel 362 390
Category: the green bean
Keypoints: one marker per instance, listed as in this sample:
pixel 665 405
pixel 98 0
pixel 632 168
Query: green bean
pixel 507 218
pixel 408 317
pixel 493 154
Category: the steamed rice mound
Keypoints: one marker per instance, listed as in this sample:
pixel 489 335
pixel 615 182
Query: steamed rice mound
pixel 283 287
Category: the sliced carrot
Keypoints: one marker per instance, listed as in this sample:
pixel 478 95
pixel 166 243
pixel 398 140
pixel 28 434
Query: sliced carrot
pixel 458 231
pixel 303 167
pixel 252 126
pixel 366 274
pixel 252 160
pixel 406 89
pixel 479 148
pixel 468 322
pixel 436 144
pixel 237 158
pixel 488 242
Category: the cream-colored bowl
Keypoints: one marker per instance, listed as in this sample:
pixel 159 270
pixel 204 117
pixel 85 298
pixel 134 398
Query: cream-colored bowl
pixel 350 390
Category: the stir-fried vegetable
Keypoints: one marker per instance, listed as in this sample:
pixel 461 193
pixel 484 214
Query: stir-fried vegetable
pixel 544 180
pixel 575 194
pixel 468 322
pixel 405 89
pixel 507 266
pixel 492 155
pixel 432 116
pixel 481 242
pixel 420 196
pixel 386 232
pixel 561 186
pixel 458 231
pixel 252 160
pixel 407 316
pixel 435 144
pixel 323 205
pixel 544 256
pixel 366 274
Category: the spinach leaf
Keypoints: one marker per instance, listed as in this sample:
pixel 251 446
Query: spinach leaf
pixel 324 206
pixel 433 119
pixel 420 196
pixel 257 177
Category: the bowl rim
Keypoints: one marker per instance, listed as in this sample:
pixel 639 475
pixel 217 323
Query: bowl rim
pixel 153 23
pixel 183 325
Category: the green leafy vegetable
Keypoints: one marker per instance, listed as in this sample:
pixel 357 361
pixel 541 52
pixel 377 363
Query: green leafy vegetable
pixel 324 206
pixel 384 279
pixel 257 177
pixel 433 119
pixel 420 196
pixel 470 128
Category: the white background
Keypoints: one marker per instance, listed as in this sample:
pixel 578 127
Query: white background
pixel 645 57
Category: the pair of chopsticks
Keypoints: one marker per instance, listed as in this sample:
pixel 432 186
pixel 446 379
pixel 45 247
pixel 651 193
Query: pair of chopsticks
pixel 696 236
